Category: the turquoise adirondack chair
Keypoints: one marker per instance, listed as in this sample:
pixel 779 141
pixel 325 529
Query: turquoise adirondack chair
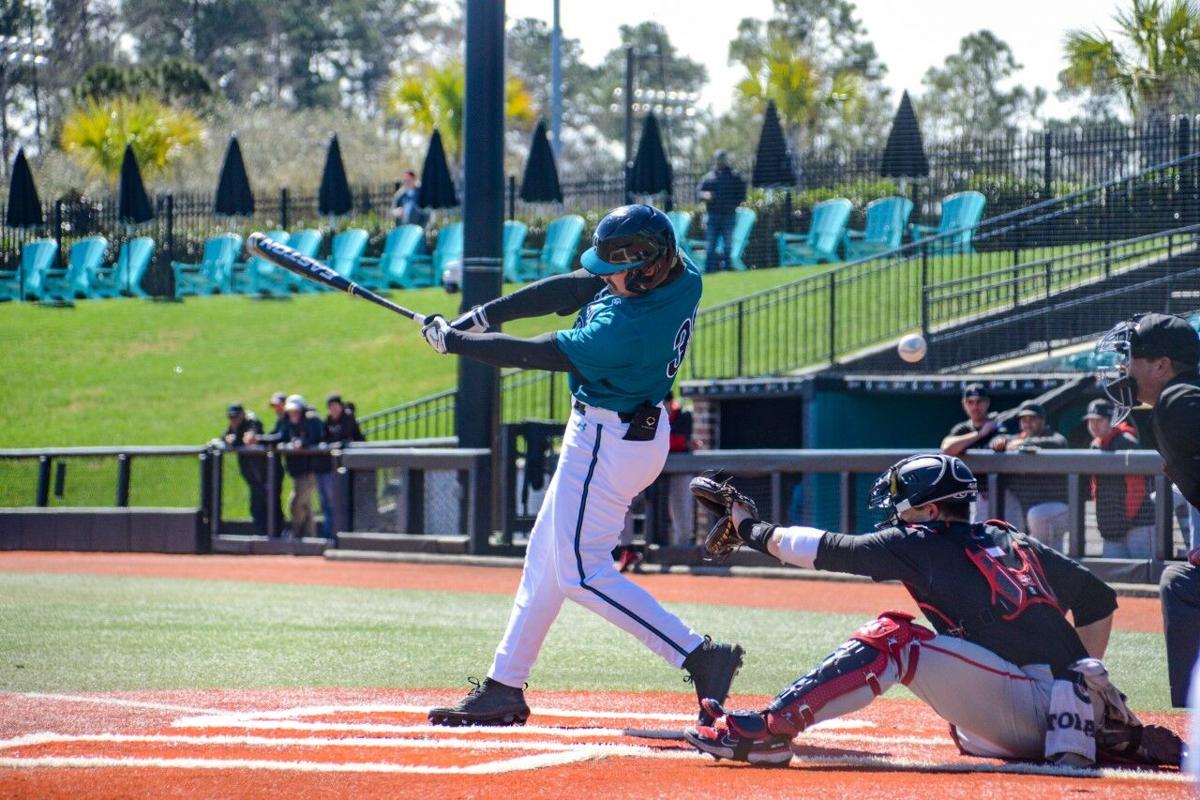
pixel 427 269
pixel 681 221
pixel 390 269
pixel 961 212
pixel 743 223
pixel 557 255
pixel 37 258
pixel 268 279
pixel 214 273
pixel 125 277
pixel 514 240
pixel 75 282
pixel 887 218
pixel 824 235
pixel 346 250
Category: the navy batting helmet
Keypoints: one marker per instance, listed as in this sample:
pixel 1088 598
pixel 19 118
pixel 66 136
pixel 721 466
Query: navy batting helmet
pixel 922 479
pixel 628 238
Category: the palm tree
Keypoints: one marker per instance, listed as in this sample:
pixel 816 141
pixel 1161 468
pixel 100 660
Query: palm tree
pixel 95 133
pixel 805 94
pixel 433 98
pixel 1153 59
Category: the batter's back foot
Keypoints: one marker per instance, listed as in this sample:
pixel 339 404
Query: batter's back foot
pixel 488 703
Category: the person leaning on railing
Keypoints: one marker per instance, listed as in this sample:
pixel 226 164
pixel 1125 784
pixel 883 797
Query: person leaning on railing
pixel 975 431
pixel 339 430
pixel 1156 357
pixel 1124 512
pixel 300 429
pixel 243 429
pixel 1041 496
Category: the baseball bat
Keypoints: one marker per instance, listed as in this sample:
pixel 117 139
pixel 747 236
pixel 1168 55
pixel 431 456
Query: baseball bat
pixel 310 269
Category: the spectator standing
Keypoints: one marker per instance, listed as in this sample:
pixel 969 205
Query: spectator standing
pixel 1040 496
pixel 275 489
pixel 975 431
pixel 340 430
pixel 406 209
pixel 723 190
pixel 1124 513
pixel 1157 357
pixel 300 429
pixel 680 504
pixel 244 429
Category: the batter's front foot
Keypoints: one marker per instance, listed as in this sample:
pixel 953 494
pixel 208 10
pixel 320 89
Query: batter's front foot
pixel 711 668
pixel 489 703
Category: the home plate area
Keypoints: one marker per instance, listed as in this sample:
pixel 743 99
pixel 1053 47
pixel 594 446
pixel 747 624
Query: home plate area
pixel 259 742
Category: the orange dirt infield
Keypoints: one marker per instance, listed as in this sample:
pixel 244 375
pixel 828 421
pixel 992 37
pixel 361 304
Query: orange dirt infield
pixel 375 744
pixel 1135 613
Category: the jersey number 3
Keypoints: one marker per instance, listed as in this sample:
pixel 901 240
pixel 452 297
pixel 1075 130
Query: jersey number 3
pixel 683 337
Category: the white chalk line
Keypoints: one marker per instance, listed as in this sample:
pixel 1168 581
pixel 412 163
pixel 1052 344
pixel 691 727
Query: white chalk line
pixel 408 708
pixel 118 701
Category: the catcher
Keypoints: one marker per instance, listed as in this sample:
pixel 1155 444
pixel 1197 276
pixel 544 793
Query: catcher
pixel 1003 666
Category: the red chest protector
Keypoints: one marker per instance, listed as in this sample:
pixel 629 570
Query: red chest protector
pixel 1014 588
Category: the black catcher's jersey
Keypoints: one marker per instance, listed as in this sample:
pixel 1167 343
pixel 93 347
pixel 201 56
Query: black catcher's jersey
pixel 986 583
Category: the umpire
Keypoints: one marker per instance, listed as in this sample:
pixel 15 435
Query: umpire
pixel 1157 356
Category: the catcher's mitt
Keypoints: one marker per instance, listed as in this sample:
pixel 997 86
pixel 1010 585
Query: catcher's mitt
pixel 718 496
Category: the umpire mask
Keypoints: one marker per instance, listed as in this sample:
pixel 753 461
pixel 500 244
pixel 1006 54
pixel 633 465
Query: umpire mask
pixel 1113 354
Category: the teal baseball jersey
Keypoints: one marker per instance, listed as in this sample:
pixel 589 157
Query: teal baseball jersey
pixel 628 350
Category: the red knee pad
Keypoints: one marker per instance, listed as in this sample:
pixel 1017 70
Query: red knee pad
pixel 892 633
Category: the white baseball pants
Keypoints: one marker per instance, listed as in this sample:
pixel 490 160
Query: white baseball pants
pixel 570 547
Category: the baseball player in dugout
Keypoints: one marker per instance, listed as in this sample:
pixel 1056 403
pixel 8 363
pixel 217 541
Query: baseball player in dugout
pixel 1002 664
pixel 635 303
pixel 1155 362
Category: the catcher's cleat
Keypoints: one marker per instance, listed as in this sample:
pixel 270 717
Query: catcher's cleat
pixel 711 668
pixel 489 703
pixel 1151 745
pixel 743 737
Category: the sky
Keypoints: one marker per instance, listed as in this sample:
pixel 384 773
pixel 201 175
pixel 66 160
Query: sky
pixel 909 36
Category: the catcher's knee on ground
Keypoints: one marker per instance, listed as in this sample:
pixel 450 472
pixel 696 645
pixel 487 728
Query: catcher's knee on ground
pixel 877 655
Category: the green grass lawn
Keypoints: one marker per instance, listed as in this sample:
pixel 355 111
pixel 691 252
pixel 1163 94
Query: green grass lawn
pixel 69 633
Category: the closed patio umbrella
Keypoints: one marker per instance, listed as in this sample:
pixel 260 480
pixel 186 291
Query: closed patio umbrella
pixel 772 161
pixel 234 197
pixel 437 187
pixel 133 205
pixel 540 183
pixel 24 207
pixel 334 198
pixel 904 154
pixel 651 171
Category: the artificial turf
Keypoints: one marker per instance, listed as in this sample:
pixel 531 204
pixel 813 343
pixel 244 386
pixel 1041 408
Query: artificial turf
pixel 71 633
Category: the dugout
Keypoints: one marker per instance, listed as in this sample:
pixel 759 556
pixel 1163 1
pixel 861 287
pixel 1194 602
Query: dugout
pixel 837 411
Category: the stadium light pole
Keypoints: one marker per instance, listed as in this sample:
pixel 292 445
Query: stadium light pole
pixel 477 405
pixel 556 87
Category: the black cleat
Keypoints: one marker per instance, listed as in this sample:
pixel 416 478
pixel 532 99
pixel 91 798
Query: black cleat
pixel 762 748
pixel 489 703
pixel 711 668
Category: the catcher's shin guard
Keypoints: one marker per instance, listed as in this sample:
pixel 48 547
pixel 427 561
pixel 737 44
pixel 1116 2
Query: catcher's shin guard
pixel 489 703
pixel 878 654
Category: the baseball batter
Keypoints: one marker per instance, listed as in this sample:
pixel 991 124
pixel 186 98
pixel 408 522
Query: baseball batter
pixel 636 301
pixel 1003 666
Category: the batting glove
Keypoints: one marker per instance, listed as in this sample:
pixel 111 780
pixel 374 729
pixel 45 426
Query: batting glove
pixel 435 331
pixel 473 321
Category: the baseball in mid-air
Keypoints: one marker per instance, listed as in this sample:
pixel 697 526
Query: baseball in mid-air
pixel 912 348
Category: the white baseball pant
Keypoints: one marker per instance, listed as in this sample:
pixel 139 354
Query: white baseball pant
pixel 570 547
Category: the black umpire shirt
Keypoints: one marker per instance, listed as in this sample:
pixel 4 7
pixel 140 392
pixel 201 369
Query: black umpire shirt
pixel 1176 423
pixel 933 565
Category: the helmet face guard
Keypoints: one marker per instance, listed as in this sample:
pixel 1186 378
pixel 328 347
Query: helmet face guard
pixel 1113 353
pixel 921 479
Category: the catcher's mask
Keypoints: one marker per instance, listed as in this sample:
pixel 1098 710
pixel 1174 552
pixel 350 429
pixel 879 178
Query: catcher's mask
pixel 1113 354
pixel 922 479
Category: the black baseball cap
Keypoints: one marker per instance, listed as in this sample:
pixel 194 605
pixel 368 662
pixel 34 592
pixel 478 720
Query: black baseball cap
pixel 235 409
pixel 334 398
pixel 975 390
pixel 1031 409
pixel 1099 409
pixel 1158 335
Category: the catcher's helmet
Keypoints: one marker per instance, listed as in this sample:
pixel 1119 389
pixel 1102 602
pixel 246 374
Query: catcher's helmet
pixel 636 237
pixel 922 479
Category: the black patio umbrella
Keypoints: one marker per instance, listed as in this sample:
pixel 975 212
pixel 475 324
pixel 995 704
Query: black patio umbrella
pixel 540 184
pixel 904 154
pixel 651 171
pixel 334 199
pixel 24 207
pixel 133 206
pixel 234 197
pixel 437 187
pixel 772 161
